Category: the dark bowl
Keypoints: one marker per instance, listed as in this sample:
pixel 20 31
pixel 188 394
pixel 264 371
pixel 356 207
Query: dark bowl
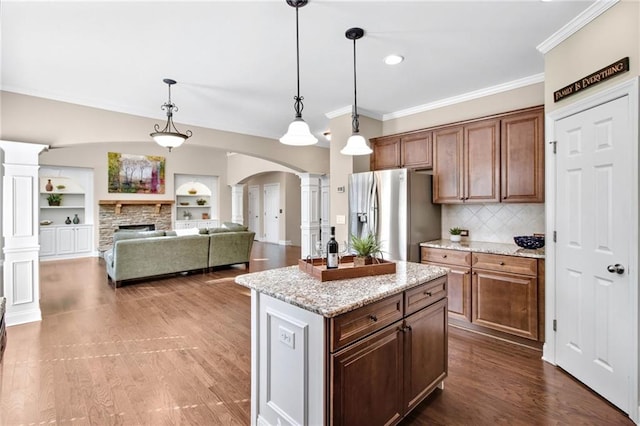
pixel 529 242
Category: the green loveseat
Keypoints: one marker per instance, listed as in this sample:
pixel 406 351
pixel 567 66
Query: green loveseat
pixel 142 254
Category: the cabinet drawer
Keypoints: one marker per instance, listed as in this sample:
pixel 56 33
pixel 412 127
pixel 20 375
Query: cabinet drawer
pixel 424 295
pixel 512 264
pixel 361 322
pixel 451 257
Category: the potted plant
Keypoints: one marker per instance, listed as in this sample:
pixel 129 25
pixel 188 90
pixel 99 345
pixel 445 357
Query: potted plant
pixel 186 215
pixel 365 248
pixel 54 199
pixel 201 201
pixel 455 234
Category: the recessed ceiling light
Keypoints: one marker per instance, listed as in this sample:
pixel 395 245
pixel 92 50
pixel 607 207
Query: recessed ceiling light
pixel 393 59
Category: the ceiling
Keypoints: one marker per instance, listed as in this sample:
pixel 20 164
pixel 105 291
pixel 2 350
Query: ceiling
pixel 235 60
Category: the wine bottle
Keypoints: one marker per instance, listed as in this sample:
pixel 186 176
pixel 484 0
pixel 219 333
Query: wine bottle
pixel 332 250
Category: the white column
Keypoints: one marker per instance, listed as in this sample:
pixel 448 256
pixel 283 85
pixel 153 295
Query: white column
pixel 21 270
pixel 310 212
pixel 237 197
pixel 325 207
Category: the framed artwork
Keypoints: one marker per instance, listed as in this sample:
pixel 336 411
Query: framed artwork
pixel 143 174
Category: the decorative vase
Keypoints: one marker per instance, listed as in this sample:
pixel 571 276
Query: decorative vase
pixel 49 186
pixel 205 215
pixel 76 219
pixel 455 238
pixel 68 221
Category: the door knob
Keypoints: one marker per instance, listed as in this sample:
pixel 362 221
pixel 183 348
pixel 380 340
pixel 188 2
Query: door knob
pixel 617 269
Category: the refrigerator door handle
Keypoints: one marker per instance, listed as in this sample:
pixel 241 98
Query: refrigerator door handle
pixel 373 214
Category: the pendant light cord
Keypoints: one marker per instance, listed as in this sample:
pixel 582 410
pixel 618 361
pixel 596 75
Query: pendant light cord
pixel 298 104
pixel 355 124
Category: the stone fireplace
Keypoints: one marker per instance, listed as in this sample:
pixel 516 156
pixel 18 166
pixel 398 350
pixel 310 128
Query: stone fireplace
pixel 113 214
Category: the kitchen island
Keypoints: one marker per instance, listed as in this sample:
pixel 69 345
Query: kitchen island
pixel 361 351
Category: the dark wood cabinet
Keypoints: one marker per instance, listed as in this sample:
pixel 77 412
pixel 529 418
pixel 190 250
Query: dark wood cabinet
pixel 522 157
pixel 505 294
pixel 413 151
pixel 458 278
pixel 426 353
pixel 448 146
pixel 417 151
pixel 467 163
pixel 493 293
pixel 386 153
pixel 377 378
pixel 481 163
pixel 367 380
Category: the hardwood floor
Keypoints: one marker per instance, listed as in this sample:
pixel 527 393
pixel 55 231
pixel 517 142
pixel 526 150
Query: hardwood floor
pixel 176 350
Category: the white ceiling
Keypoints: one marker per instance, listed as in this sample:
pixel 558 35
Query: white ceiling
pixel 235 60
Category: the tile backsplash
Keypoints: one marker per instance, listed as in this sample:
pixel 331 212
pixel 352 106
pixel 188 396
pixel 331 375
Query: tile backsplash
pixel 496 223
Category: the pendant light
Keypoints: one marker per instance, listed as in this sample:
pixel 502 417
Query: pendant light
pixel 356 144
pixel 169 136
pixel 298 133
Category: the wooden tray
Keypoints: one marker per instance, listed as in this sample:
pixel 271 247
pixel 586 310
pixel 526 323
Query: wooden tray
pixel 318 269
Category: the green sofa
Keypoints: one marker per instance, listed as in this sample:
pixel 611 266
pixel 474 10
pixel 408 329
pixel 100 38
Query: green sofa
pixel 142 254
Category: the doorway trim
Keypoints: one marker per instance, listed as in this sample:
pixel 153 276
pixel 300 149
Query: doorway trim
pixel 628 88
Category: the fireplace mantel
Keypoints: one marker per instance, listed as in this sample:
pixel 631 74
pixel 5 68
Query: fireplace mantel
pixel 120 203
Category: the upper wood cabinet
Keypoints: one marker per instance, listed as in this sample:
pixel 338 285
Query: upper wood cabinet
pixel 522 153
pixel 416 151
pixel 386 153
pixel 467 163
pixel 497 159
pixel 413 151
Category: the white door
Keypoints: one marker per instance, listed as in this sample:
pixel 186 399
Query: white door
pixel 271 212
pixel 593 212
pixel 254 211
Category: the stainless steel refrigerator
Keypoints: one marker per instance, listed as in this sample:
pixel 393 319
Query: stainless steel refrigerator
pixel 396 205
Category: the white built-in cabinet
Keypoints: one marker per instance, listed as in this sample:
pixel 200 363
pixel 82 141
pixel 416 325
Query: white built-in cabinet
pixel 59 239
pixel 196 203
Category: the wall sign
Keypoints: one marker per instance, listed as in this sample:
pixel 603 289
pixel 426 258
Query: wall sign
pixel 599 76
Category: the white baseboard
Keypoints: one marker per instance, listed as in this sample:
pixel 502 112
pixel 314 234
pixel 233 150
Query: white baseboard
pixel 23 317
pixel 284 242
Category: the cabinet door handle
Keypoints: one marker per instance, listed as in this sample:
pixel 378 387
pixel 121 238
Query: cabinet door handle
pixel 466 273
pixel 501 263
pixel 444 256
pixel 407 328
pixel 373 318
pixel 427 293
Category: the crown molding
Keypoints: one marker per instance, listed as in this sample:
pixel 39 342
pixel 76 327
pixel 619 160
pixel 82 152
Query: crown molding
pixel 577 23
pixel 349 109
pixel 504 87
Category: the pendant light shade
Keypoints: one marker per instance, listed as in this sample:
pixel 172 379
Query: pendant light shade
pixel 356 144
pixel 169 136
pixel 298 133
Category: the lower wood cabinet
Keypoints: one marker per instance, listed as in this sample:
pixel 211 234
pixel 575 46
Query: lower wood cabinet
pixel 489 292
pixel 379 379
pixel 366 380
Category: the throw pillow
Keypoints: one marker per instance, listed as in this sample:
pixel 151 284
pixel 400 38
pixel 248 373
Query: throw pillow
pixel 234 226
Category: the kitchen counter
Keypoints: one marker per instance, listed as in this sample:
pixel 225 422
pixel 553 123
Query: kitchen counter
pixel 332 298
pixel 484 247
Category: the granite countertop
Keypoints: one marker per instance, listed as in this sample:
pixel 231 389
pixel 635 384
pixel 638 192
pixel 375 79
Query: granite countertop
pixel 332 298
pixel 484 247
